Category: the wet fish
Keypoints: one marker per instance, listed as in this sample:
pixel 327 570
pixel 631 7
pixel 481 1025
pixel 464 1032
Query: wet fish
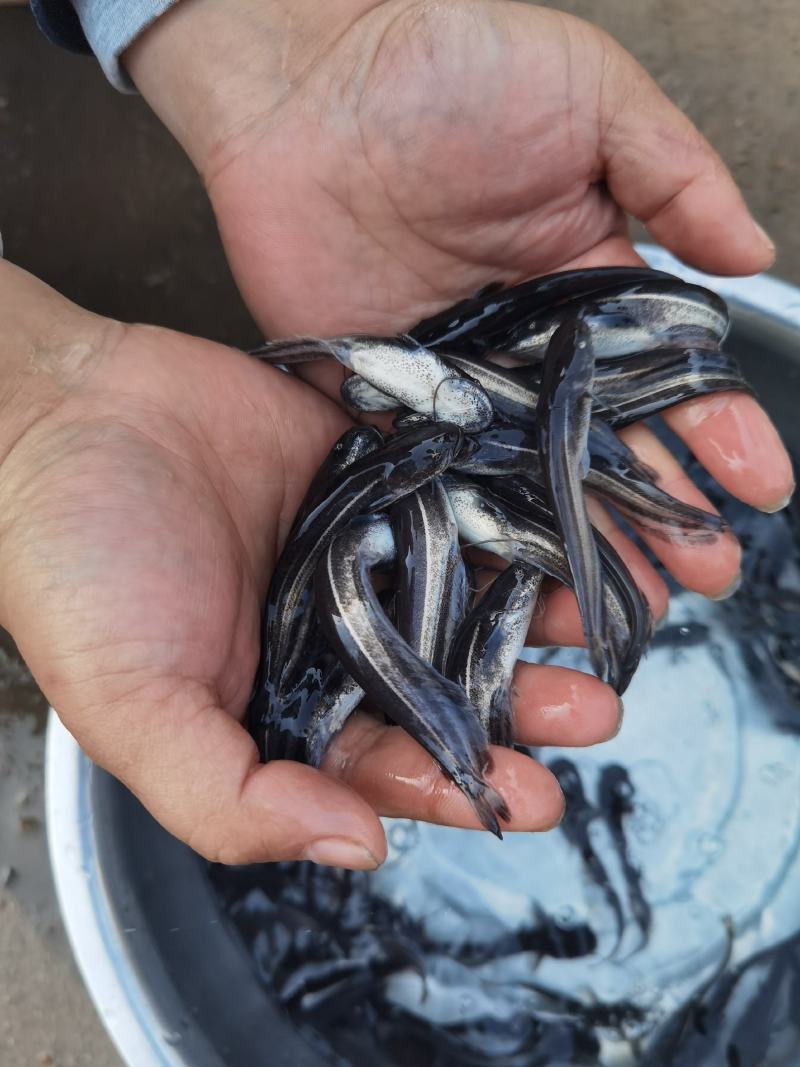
pixel 488 643
pixel 514 396
pixel 299 722
pixel 431 708
pixel 292 350
pixel 491 318
pixel 354 444
pixel 432 589
pixel 375 481
pixel 634 389
pixel 564 414
pixel 649 314
pixel 417 378
pixel 629 615
pixel 618 476
pixel 359 394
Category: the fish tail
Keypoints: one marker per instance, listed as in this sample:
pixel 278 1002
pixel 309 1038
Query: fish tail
pixel 489 806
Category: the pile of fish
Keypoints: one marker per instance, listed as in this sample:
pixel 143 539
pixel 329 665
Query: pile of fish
pixel 507 406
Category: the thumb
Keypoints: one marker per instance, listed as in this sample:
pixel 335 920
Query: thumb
pixel 659 168
pixel 196 770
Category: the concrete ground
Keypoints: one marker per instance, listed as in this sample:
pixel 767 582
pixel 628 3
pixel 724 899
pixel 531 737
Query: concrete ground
pixel 97 200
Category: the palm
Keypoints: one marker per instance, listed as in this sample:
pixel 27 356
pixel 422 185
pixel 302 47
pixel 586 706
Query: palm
pixel 449 155
pixel 159 517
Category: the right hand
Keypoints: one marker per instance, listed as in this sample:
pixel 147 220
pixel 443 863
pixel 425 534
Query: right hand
pixel 147 482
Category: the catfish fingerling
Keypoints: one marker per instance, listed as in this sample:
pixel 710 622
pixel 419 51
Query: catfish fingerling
pixel 432 709
pixel 564 415
pixel 432 578
pixel 375 481
pixel 487 645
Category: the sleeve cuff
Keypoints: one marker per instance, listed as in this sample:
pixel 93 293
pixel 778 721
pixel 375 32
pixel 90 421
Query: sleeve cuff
pixel 112 25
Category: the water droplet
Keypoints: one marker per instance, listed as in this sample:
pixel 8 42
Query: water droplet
pixel 465 1002
pixel 173 1037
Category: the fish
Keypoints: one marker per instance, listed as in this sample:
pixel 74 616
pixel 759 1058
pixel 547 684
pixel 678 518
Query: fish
pixel 267 707
pixel 487 320
pixel 431 708
pixel 291 350
pixel 354 444
pixel 514 395
pixel 578 816
pixel 615 797
pixel 631 621
pixel 649 314
pixel 488 643
pixel 432 589
pixel 633 389
pixel 357 393
pixel 617 476
pixel 417 378
pixel 371 483
pixel 564 415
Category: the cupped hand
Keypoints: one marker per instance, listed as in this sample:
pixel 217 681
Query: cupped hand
pixel 370 163
pixel 147 482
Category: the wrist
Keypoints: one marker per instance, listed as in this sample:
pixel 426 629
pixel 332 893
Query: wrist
pixel 209 68
pixel 48 348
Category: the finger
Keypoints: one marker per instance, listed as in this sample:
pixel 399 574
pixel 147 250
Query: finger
pixel 712 567
pixel 662 170
pixel 556 706
pixel 557 621
pixel 394 774
pixel 735 440
pixel 196 770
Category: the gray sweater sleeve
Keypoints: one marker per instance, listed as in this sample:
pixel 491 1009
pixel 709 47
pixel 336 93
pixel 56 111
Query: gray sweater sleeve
pixel 111 25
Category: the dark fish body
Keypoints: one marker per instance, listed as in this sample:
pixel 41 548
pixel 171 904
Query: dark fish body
pixel 578 816
pixel 270 714
pixel 488 643
pixel 493 318
pixel 615 475
pixel 651 314
pixel 432 579
pixel 292 350
pixel 301 723
pixel 635 389
pixel 564 415
pixel 615 796
pixel 619 477
pixel 428 706
pixel 629 617
pixel 503 449
pixel 354 444
pixel 405 462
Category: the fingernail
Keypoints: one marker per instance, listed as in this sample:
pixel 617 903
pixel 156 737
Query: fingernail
pixel 560 818
pixel 620 717
pixel 729 590
pixel 770 509
pixel 765 237
pixel 340 852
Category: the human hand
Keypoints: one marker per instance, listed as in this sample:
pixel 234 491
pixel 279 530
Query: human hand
pixel 147 482
pixel 371 162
